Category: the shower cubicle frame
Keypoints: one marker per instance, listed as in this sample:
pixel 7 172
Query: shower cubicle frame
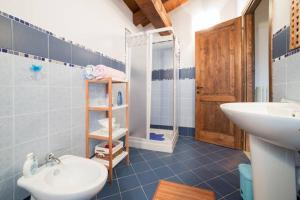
pixel 146 143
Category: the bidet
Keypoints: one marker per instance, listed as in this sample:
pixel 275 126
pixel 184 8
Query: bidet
pixel 75 178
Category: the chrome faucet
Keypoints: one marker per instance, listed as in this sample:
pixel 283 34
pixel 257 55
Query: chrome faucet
pixel 50 159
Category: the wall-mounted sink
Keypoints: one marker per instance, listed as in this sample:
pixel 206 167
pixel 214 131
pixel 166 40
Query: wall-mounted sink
pixel 274 130
pixel 75 178
pixel 278 123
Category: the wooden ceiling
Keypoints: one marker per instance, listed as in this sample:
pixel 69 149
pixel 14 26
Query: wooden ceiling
pixel 153 11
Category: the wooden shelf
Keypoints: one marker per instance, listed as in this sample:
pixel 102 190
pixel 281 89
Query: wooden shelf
pixel 106 80
pixel 99 108
pixel 115 161
pixel 107 135
pixel 104 135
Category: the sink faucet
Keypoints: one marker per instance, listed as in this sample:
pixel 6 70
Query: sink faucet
pixel 50 159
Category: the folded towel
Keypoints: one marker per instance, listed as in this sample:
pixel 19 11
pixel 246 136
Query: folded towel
pixel 158 137
pixel 101 71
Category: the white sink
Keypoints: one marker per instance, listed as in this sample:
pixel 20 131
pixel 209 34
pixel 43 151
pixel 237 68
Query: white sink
pixel 75 178
pixel 278 123
pixel 274 130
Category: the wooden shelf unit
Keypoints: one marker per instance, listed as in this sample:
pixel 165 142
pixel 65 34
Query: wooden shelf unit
pixel 108 135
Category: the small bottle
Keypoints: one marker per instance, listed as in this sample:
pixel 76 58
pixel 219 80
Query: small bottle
pixel 119 99
pixel 30 166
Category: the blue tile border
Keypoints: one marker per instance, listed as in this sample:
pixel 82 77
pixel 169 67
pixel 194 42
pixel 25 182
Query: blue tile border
pixel 103 59
pixel 168 74
pixel 183 131
pixel 281 48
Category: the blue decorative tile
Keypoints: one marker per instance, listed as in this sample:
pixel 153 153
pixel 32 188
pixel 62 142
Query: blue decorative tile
pixel 221 186
pixel 233 179
pixel 29 40
pixel 191 163
pixel 140 167
pixel 129 182
pixel 234 196
pixel 6 33
pixel 190 178
pixel 150 190
pixel 136 194
pixel 217 169
pixel 94 58
pixel 136 159
pixel 204 173
pixel 109 189
pixel 59 50
pixel 174 179
pixel 124 171
pixel 163 172
pixel 156 163
pixel 113 197
pixel 169 159
pixel 178 167
pixel 147 177
pixel 149 156
pixel 80 56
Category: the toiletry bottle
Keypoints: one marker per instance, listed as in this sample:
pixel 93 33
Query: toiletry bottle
pixel 30 166
pixel 119 99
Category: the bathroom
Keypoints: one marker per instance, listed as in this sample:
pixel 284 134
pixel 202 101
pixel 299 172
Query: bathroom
pixel 174 100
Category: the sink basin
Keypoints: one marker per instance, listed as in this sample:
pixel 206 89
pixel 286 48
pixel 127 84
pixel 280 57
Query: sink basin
pixel 75 178
pixel 274 130
pixel 277 123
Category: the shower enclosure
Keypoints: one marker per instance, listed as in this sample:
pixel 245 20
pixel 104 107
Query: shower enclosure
pixel 152 60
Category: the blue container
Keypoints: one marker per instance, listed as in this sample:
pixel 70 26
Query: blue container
pixel 246 187
pixel 119 99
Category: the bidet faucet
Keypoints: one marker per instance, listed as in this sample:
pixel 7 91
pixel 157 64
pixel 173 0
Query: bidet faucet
pixel 50 159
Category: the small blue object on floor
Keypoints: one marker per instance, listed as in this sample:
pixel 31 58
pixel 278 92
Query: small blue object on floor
pixel 246 181
pixel 158 137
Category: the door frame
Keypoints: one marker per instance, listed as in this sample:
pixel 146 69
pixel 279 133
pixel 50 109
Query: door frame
pixel 248 53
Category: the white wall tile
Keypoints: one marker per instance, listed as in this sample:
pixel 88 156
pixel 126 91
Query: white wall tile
pixel 77 77
pixel 60 141
pixel 279 72
pixel 293 68
pixel 59 98
pixel 6 69
pixel 38 147
pixel 6 101
pixel 6 189
pixel 6 132
pixel 279 92
pixel 78 136
pixel 78 117
pixel 293 91
pixel 30 99
pixel 59 75
pixel 30 127
pixel 78 97
pixel 59 120
pixel 23 76
pixel 6 164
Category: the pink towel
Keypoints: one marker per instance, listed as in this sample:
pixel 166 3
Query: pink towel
pixel 101 71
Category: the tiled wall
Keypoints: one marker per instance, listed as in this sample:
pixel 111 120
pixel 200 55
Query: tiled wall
pixel 43 111
pixel 21 36
pixel 40 112
pixel 285 68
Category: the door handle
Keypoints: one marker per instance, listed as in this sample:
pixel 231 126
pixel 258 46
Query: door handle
pixel 199 87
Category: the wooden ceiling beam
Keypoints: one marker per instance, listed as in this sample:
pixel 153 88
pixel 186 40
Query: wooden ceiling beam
pixel 169 5
pixel 156 13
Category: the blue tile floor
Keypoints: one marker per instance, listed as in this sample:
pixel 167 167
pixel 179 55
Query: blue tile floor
pixel 193 163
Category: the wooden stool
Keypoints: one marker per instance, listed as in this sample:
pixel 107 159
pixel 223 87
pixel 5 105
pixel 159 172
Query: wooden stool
pixel 173 191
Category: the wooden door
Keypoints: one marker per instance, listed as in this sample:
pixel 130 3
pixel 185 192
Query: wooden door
pixel 218 80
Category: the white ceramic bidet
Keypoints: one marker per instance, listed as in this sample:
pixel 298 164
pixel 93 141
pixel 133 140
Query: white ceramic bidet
pixel 75 178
